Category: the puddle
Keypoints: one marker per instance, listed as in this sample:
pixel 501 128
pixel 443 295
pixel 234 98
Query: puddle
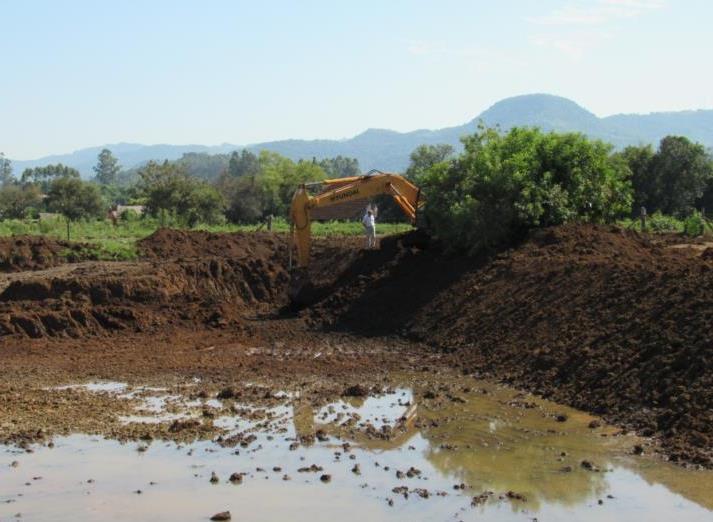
pixel 95 387
pixel 414 453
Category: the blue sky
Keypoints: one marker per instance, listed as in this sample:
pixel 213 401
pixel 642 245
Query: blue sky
pixel 82 73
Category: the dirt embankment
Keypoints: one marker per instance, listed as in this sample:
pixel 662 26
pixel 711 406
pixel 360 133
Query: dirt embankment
pixel 18 253
pixel 603 319
pixel 183 280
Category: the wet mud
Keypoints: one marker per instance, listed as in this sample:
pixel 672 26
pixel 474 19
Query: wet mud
pixel 612 322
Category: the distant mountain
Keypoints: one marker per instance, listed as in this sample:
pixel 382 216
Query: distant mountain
pixel 389 150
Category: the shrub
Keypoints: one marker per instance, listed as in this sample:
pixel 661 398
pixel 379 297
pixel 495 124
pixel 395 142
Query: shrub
pixel 129 216
pixel 505 184
pixel 694 225
pixel 660 223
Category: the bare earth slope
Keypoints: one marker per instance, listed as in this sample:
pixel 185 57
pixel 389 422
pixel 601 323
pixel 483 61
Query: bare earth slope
pixel 600 318
pixel 603 319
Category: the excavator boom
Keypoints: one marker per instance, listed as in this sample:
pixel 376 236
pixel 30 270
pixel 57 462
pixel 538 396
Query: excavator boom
pixel 342 190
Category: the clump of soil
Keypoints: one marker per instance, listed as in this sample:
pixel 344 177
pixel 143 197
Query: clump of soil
pixel 19 253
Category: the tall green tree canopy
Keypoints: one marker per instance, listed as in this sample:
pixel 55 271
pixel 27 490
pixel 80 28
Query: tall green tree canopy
pixel 107 168
pixel 340 167
pixel 243 163
pixel 264 184
pixel 168 189
pixel 671 180
pixel 74 199
pixel 17 201
pixel 426 156
pixel 44 176
pixel 5 170
pixel 204 166
pixel 505 184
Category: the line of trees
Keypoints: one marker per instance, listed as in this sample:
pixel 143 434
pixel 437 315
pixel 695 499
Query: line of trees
pixel 249 187
pixel 500 186
pixel 504 184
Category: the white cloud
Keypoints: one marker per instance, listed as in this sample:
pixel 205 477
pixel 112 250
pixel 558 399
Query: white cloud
pixel 568 34
pixel 597 12
pixel 572 46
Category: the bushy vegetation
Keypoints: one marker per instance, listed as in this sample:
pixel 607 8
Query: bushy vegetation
pixel 501 186
pixel 74 199
pixel 169 191
pixel 675 180
pixel 505 184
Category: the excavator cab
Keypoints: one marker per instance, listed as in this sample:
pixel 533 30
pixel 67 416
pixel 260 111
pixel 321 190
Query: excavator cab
pixel 338 192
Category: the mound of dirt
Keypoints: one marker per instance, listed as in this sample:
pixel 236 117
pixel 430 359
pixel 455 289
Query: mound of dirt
pixel 187 278
pixel 599 318
pixel 607 320
pixel 167 243
pixel 18 253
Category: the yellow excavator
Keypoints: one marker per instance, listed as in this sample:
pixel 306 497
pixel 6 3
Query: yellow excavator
pixel 340 191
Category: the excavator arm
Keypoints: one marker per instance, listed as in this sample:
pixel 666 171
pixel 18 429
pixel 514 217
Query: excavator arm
pixel 342 190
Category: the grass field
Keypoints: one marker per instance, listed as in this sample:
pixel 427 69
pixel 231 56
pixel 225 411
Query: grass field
pixel 119 243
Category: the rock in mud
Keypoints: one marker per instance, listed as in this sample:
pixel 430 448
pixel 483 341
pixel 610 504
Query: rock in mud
pixel 325 478
pixel 401 490
pixel 516 496
pixel 228 393
pixel 356 390
pixel 214 478
pixel 311 469
pixel 223 515
pixel 589 466
pixel 481 499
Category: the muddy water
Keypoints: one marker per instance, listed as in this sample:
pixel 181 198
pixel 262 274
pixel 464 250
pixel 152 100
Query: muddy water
pixel 415 452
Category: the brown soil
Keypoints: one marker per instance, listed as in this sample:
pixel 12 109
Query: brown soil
pixel 606 320
pixel 19 253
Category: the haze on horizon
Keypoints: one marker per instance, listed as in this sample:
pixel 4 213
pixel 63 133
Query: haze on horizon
pixel 79 73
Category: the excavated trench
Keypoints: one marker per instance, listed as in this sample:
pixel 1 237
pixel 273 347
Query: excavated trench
pixel 609 321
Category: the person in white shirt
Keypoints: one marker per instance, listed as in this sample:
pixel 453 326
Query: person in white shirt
pixel 370 229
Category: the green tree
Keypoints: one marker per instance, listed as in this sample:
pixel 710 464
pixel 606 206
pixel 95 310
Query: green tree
pixel 204 166
pixel 44 176
pixel 639 159
pixel 256 190
pixel 672 180
pixel 169 190
pixel 504 185
pixel 243 163
pixel 17 201
pixel 424 157
pixel 682 170
pixel 245 199
pixel 340 167
pixel 107 168
pixel 74 199
pixel 5 171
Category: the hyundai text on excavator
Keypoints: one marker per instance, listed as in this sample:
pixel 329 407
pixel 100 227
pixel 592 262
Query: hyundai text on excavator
pixel 338 192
